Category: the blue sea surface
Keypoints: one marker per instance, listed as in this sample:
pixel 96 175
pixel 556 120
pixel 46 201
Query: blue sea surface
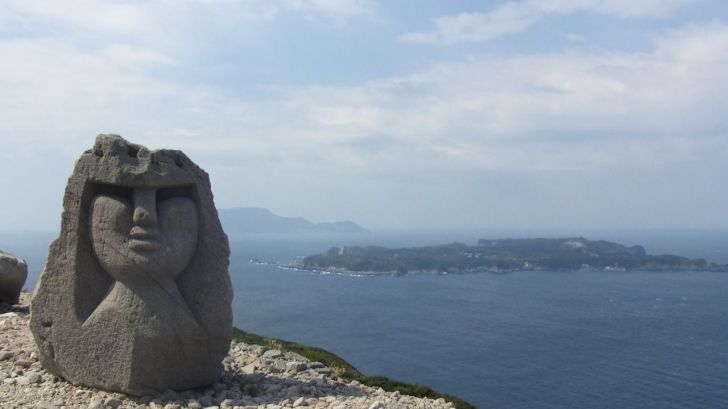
pixel 519 340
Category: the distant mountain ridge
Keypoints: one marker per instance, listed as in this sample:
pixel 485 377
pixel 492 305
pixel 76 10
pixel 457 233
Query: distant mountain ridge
pixel 256 220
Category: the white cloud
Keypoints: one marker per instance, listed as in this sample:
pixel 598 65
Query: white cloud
pixel 104 17
pixel 513 17
pixel 338 11
pixel 166 23
pixel 505 19
pixel 696 44
pixel 618 8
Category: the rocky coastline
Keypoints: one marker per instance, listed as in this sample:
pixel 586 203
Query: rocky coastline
pixel 254 377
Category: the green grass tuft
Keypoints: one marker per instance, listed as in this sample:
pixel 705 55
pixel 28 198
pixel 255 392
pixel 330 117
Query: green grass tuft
pixel 420 391
pixel 345 371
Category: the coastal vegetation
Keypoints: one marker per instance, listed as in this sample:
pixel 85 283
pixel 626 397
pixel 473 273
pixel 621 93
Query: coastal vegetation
pixel 503 255
pixel 345 370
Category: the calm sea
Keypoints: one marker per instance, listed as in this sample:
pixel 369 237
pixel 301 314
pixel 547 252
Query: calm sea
pixel 520 340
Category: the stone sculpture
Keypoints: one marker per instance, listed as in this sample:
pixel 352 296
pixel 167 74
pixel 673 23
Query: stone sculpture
pixel 135 296
pixel 13 272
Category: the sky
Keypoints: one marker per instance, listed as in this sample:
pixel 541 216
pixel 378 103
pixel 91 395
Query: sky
pixel 515 114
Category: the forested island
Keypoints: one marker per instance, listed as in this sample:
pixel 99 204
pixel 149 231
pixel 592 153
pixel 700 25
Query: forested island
pixel 502 256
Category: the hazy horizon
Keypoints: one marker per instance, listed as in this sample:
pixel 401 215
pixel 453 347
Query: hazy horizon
pixel 503 115
pixel 507 232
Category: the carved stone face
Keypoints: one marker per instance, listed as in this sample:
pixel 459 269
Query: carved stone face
pixel 145 233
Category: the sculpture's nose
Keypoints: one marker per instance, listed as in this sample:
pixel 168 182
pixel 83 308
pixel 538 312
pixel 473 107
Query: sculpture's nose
pixel 145 207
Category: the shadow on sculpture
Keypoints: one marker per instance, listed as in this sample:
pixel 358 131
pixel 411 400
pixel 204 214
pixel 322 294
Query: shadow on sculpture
pixel 135 296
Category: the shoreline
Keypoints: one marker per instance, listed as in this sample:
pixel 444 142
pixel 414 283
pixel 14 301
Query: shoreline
pixel 351 273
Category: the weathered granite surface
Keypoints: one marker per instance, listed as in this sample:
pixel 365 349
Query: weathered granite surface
pixel 135 296
pixel 13 272
pixel 254 377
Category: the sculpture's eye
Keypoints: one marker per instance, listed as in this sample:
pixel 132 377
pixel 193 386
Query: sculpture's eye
pixel 175 191
pixel 124 193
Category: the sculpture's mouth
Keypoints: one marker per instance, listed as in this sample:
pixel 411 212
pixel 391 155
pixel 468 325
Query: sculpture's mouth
pixel 143 239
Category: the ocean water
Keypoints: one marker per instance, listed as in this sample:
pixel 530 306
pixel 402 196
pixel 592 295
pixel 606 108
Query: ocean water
pixel 520 340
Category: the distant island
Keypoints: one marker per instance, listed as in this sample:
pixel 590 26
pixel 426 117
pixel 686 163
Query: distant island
pixel 501 256
pixel 255 220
